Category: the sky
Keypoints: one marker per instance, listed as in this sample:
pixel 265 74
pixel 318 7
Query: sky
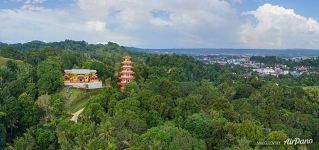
pixel 254 24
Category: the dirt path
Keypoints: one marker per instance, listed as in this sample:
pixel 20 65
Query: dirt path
pixel 76 115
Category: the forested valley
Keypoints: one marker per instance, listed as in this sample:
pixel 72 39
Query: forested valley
pixel 175 102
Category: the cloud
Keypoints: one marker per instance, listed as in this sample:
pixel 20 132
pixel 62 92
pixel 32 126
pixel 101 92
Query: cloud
pixel 23 25
pixel 164 24
pixel 170 22
pixel 96 25
pixel 160 22
pixel 26 1
pixel 34 1
pixel 147 23
pixel 277 27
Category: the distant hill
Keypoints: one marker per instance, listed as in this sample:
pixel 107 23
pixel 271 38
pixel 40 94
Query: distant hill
pixel 84 46
pixel 65 45
pixel 248 52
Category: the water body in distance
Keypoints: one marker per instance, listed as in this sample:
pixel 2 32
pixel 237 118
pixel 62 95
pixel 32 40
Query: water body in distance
pixel 234 52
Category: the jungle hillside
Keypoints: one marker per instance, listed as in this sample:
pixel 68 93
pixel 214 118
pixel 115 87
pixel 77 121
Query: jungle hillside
pixel 175 102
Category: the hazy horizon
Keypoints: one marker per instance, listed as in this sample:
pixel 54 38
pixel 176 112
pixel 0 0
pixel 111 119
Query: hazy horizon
pixel 168 48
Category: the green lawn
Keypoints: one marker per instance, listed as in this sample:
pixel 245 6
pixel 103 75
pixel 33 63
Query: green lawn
pixel 75 99
pixel 3 60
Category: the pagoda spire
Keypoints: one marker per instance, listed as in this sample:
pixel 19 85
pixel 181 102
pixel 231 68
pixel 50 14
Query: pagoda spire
pixel 126 74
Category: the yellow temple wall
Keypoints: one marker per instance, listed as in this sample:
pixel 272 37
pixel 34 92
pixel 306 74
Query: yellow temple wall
pixel 87 77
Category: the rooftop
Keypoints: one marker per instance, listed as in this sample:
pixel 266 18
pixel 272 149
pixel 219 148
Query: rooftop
pixel 80 71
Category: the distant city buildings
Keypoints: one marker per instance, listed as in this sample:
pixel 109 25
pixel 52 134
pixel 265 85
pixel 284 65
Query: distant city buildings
pixel 243 61
pixel 265 71
pixel 270 71
pixel 260 68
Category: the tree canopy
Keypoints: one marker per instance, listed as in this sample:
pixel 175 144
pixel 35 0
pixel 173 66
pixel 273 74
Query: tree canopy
pixel 175 102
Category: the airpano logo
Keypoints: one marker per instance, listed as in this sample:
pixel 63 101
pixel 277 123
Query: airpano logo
pixel 289 141
pixel 264 143
pixel 298 141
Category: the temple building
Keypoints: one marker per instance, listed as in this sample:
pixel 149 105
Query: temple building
pixel 82 78
pixel 126 74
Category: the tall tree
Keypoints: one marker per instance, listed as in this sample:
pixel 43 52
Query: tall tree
pixel 50 76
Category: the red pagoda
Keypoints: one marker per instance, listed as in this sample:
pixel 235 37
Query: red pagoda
pixel 126 74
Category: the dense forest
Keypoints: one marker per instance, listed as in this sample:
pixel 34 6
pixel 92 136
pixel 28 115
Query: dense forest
pixel 176 102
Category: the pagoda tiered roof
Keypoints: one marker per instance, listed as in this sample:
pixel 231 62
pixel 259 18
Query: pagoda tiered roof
pixel 127 77
pixel 127 57
pixel 126 74
pixel 127 66
pixel 127 62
